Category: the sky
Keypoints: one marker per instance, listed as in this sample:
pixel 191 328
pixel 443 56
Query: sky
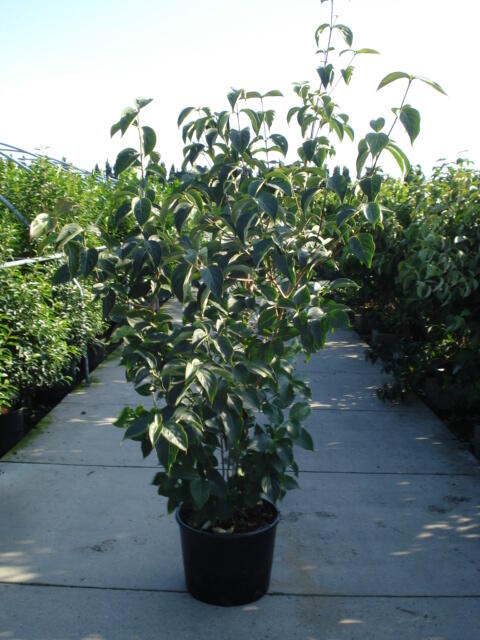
pixel 68 68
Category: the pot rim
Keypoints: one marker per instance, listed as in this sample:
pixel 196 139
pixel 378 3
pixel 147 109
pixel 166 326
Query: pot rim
pixel 229 536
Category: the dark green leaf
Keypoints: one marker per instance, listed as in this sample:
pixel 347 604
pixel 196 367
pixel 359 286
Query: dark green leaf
pixel 281 264
pixel 320 30
pixel 142 102
pixel 371 186
pixel 268 203
pixel 200 492
pixel 225 348
pixel 391 77
pixel 362 246
pixel 142 208
pixel 68 232
pixel 125 159
pixel 302 297
pixel 254 119
pixel 291 113
pixel 107 302
pixel 347 74
pixel 181 213
pixel 244 222
pixel 281 142
pixel 175 434
pixel 410 118
pixel 89 261
pixel 344 214
pixel 213 278
pixel 183 114
pixel 62 275
pixel 343 283
pixel 149 140
pixel 326 74
pixel 128 116
pixel 289 482
pixel 299 411
pixel 233 97
pixel 318 329
pixel 240 139
pixel 432 84
pixel 208 381
pixel 267 320
pixel 218 485
pixel 362 155
pixel 309 149
pixel 178 279
pixel 210 136
pixel 282 184
pixel 338 183
pixel 307 197
pixel 261 249
pixel 378 124
pixel 254 187
pixel 346 32
pixel 304 440
pixel 122 211
pixel 399 156
pixel 376 142
pixel 138 427
pixel 372 213
pixel 72 250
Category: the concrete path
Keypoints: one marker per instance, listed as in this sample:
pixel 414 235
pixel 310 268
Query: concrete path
pixel 381 542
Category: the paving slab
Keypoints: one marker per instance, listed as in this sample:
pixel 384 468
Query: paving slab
pixel 383 442
pixel 343 352
pixel 381 535
pixel 343 534
pixel 92 526
pixel 80 433
pixel 88 614
pixel 369 441
pixel 354 392
pixel 108 387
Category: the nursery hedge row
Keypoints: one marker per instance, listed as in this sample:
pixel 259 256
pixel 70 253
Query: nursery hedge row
pixel 45 329
pixel 423 289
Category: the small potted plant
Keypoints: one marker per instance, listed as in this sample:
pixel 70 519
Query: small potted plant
pixel 237 237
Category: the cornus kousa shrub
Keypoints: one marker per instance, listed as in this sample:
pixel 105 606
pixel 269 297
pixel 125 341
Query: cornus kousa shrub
pixel 237 242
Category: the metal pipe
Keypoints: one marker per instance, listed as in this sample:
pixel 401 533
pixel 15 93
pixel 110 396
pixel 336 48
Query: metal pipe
pixel 17 162
pixel 15 212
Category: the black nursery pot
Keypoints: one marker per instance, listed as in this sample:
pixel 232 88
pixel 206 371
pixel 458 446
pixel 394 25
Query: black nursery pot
pixel 227 569
pixel 11 429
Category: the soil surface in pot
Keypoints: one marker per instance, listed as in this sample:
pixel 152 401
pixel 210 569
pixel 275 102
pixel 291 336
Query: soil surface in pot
pixel 243 521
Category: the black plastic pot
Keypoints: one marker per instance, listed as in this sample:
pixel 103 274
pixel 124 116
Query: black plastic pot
pixel 436 396
pixel 11 429
pixel 53 394
pixel 227 569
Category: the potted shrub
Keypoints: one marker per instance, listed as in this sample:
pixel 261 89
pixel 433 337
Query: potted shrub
pixel 237 237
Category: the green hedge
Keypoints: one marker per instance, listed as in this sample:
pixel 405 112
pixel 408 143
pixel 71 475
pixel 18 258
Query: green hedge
pixel 424 284
pixel 44 188
pixel 43 331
